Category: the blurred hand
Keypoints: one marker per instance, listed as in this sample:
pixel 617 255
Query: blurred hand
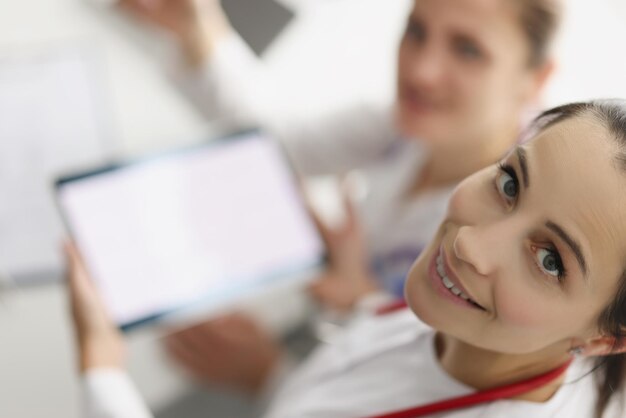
pixel 196 24
pixel 348 277
pixel 232 351
pixel 100 343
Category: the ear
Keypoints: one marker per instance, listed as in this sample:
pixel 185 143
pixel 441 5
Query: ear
pixel 603 346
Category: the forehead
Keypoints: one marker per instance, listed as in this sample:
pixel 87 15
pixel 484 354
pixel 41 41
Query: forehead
pixel 578 184
pixel 477 15
pixel 493 22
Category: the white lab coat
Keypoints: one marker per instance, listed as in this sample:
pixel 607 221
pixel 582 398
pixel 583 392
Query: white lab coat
pixel 380 364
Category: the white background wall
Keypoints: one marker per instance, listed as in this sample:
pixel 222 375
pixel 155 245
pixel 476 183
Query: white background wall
pixel 355 38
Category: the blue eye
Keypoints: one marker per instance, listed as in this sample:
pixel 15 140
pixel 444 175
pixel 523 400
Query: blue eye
pixel 507 183
pixel 549 261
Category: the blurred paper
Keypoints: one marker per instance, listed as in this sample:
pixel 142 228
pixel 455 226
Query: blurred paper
pixel 50 122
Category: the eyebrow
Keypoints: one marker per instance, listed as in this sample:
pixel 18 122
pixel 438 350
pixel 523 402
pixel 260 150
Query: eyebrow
pixel 573 244
pixel 523 162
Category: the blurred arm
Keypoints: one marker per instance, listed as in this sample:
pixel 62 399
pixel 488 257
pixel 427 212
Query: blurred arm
pixel 109 393
pixel 234 88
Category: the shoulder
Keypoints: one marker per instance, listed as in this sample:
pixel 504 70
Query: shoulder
pixel 576 398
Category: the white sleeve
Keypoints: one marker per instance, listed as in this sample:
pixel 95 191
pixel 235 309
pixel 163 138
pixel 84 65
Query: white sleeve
pixel 109 393
pixel 230 86
pixel 371 303
pixel 234 89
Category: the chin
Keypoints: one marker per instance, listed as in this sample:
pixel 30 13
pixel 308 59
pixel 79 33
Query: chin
pixel 427 129
pixel 430 310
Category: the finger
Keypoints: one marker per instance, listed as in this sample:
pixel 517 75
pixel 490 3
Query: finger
pixel 84 296
pixel 202 359
pixel 240 319
pixel 347 192
pixel 320 291
pixel 140 6
pixel 235 329
pixel 222 320
pixel 74 270
pixel 134 7
pixel 200 338
pixel 239 332
pixel 326 233
pixel 77 275
pixel 71 254
pixel 243 326
pixel 185 357
pixel 75 260
pixel 315 292
pixel 320 281
pixel 150 11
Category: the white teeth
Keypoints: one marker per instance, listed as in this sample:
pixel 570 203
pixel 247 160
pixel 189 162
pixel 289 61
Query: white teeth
pixel 447 282
pixel 440 270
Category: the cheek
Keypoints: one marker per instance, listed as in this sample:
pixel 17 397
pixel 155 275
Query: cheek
pixel 473 103
pixel 519 308
pixel 404 60
pixel 469 84
pixel 505 92
pixel 458 198
pixel 530 311
pixel 489 92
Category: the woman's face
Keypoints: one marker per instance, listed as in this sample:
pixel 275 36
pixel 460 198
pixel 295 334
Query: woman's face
pixel 537 245
pixel 463 70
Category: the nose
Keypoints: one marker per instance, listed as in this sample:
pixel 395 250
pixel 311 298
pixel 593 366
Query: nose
pixel 427 66
pixel 480 248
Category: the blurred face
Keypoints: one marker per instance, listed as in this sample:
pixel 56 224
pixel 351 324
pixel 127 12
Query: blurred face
pixel 530 252
pixel 462 70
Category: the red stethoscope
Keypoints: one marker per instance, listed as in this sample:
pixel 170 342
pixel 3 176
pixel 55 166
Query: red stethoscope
pixel 480 397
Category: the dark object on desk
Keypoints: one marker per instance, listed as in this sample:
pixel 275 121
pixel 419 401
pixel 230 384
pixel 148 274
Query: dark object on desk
pixel 258 22
pixel 32 278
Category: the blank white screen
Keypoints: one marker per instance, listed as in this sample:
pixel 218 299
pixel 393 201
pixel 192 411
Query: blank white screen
pixel 207 224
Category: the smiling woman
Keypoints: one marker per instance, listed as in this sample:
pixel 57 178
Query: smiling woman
pixel 536 245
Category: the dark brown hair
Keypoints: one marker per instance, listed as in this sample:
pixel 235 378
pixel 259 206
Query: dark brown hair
pixel 610 371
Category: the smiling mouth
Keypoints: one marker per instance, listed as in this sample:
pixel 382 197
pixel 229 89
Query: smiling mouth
pixel 417 100
pixel 449 284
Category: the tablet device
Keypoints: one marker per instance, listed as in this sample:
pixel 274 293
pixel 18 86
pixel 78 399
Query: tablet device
pixel 199 227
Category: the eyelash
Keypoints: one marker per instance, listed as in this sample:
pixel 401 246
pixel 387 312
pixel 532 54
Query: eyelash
pixel 506 169
pixel 562 272
pixel 510 171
